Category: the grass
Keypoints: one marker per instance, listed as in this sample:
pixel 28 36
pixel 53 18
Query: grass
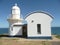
pixel 57 36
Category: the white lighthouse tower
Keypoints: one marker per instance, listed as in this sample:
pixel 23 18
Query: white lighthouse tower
pixel 15 22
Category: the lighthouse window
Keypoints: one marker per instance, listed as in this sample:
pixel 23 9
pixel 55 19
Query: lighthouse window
pixel 13 11
pixel 12 28
pixel 39 28
pixel 32 21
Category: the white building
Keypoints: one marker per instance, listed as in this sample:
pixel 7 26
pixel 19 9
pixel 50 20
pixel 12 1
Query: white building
pixel 38 24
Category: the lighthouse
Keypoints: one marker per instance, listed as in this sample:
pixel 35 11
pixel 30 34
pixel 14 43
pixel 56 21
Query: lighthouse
pixel 15 22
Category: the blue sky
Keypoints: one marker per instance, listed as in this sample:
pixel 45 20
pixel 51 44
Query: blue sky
pixel 28 6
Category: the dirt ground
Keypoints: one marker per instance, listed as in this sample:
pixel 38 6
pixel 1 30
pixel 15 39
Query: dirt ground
pixel 23 41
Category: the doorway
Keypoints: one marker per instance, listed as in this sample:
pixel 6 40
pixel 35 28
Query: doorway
pixel 24 31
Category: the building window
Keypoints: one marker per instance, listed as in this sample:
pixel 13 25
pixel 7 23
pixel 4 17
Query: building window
pixel 39 28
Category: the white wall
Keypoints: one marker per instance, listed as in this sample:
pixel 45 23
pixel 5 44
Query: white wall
pixel 15 30
pixel 38 18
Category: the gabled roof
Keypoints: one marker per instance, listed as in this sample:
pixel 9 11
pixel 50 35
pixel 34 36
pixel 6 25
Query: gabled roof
pixel 39 12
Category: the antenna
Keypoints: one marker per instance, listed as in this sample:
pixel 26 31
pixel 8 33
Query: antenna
pixel 15 4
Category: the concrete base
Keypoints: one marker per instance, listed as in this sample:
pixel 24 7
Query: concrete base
pixel 39 37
